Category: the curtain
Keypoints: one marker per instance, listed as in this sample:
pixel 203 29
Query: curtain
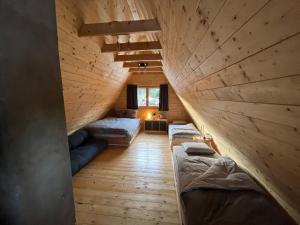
pixel 132 101
pixel 163 98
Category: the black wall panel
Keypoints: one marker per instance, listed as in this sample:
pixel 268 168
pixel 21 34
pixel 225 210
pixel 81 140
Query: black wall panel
pixel 35 175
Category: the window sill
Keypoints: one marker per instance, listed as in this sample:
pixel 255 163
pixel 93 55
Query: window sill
pixel 148 107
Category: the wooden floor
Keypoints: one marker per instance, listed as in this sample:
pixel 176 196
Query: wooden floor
pixel 128 186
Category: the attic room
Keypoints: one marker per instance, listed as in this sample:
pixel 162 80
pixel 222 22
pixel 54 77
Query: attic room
pixel 150 112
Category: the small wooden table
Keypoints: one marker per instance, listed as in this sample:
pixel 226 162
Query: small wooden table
pixel 208 141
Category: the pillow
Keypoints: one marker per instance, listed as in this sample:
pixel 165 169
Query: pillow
pixel 131 113
pixel 198 148
pixel 179 122
pixel 125 113
pixel 120 113
pixel 77 138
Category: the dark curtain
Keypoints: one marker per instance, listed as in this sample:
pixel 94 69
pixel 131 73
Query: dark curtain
pixel 163 98
pixel 132 101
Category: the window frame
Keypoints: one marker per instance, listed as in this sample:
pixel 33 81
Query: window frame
pixel 147 97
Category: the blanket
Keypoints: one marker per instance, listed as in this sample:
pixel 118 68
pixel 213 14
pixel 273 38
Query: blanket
pixel 215 191
pixel 214 173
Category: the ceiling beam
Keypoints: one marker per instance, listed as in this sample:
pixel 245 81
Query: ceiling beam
pixel 136 64
pixel 153 69
pixel 119 27
pixel 138 57
pixel 134 46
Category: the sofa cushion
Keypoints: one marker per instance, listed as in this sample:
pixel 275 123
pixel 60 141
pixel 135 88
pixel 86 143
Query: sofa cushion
pixel 77 138
pixel 100 143
pixel 75 162
pixel 81 155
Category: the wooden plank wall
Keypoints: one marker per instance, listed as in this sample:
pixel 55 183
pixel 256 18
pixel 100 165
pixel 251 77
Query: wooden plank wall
pixel 91 80
pixel 235 64
pixel 176 109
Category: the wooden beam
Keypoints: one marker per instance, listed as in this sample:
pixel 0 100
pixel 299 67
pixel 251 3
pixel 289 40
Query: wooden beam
pixel 138 57
pixel 119 27
pixel 153 69
pixel 135 46
pixel 136 64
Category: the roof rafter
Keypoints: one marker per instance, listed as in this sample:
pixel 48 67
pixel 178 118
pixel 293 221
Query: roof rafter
pixel 138 57
pixel 134 46
pixel 119 27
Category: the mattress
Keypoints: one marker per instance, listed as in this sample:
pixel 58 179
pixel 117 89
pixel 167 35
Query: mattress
pixel 117 131
pixel 114 126
pixel 210 193
pixel 182 133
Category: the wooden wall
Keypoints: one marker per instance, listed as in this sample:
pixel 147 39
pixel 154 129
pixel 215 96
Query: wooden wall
pixel 235 64
pixel 91 80
pixel 176 109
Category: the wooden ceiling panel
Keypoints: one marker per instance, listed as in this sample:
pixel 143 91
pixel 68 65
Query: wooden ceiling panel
pixel 234 65
pixel 91 80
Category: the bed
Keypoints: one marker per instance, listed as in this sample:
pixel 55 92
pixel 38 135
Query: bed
pixel 117 131
pixel 213 190
pixel 182 133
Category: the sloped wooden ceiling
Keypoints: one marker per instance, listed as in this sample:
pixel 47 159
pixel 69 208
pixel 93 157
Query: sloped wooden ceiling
pixel 235 65
pixel 91 80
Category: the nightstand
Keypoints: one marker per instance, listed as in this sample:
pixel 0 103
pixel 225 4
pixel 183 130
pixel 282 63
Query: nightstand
pixel 208 141
pixel 158 125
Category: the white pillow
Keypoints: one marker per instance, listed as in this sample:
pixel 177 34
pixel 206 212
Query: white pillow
pixel 198 148
pixel 179 122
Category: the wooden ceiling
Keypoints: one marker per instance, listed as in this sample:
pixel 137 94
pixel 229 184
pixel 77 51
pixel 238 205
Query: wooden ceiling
pixel 233 63
pixel 127 50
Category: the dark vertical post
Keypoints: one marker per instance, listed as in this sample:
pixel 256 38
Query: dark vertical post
pixel 35 175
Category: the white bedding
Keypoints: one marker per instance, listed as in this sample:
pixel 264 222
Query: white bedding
pixel 182 133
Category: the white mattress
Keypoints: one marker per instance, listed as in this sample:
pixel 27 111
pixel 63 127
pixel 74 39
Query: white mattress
pixel 177 139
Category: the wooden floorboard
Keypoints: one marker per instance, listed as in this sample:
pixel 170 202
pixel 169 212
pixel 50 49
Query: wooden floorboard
pixel 128 186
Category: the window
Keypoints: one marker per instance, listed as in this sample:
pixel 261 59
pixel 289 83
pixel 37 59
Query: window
pixel 142 97
pixel 148 96
pixel 153 96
